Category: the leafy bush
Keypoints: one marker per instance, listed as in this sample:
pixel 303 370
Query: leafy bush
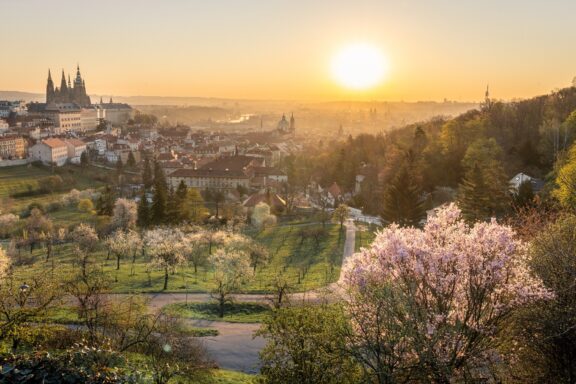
pixel 79 364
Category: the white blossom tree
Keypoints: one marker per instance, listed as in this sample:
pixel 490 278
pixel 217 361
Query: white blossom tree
pixel 231 270
pixel 85 240
pixel 261 217
pixel 123 244
pixel 125 214
pixel 85 237
pixel 165 250
pixel 4 263
pixel 426 303
pixel 8 222
pixel 194 247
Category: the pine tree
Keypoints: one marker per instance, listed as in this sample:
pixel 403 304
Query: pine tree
pixel 120 173
pixel 84 161
pixel 147 174
pixel 172 212
pixel 105 203
pixel 159 178
pixel 119 166
pixel 131 162
pixel 143 211
pixel 195 205
pixel 402 203
pixel 525 195
pixel 183 210
pixel 473 196
pixel 159 200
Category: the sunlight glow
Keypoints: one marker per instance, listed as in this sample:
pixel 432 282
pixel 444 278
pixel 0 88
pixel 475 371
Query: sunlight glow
pixel 359 66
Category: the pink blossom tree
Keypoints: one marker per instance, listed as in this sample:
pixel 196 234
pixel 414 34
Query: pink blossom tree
pixel 427 303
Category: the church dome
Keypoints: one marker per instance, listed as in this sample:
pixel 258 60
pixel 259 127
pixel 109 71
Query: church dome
pixel 283 124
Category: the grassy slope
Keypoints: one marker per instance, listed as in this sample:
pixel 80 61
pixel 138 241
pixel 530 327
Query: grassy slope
pixel 222 376
pixel 365 235
pixel 283 242
pixel 23 178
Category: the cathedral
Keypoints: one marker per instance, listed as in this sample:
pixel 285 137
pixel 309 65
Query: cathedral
pixel 68 93
pixel 284 127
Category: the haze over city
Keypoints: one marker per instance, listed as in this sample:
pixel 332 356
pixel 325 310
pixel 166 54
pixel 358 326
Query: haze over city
pixel 283 49
pixel 287 192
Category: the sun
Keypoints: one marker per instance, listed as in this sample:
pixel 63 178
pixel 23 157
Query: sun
pixel 359 66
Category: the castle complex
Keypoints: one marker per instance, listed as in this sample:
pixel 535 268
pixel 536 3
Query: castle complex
pixel 68 92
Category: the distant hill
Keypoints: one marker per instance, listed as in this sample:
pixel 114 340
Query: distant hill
pixel 17 95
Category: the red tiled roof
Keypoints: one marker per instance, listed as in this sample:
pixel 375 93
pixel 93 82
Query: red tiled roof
pixel 54 143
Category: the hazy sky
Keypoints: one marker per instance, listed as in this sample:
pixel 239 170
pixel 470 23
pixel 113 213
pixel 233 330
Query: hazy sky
pixel 281 49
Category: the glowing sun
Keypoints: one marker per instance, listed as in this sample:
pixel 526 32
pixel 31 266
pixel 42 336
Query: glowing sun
pixel 359 66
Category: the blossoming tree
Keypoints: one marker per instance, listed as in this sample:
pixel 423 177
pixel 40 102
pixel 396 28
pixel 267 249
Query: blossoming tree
pixel 231 270
pixel 426 303
pixel 123 244
pixel 163 245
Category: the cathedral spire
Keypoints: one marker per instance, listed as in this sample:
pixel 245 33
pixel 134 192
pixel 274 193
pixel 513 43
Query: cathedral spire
pixel 49 89
pixel 63 85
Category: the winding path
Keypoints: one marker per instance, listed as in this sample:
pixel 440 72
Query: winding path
pixel 235 347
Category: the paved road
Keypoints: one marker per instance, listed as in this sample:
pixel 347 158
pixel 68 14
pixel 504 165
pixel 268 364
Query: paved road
pixel 235 347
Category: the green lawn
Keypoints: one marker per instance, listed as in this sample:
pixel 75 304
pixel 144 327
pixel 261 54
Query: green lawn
pixel 234 313
pixel 305 265
pixel 365 235
pixel 222 376
pixel 69 315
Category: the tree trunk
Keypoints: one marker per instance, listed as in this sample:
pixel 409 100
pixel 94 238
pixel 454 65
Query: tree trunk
pixel 117 262
pixel 222 302
pixel 15 344
pixel 165 278
pixel 48 250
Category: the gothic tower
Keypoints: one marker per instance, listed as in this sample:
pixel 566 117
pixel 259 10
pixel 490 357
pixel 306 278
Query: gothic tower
pixel 62 96
pixel 292 124
pixel 49 89
pixel 69 92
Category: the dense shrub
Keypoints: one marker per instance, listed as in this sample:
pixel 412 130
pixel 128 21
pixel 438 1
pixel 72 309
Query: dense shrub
pixel 79 364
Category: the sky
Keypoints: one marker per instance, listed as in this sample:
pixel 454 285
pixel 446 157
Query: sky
pixel 282 49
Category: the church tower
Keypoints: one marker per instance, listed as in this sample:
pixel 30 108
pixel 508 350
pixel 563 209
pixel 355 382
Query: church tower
pixel 49 89
pixel 69 91
pixel 62 96
pixel 292 124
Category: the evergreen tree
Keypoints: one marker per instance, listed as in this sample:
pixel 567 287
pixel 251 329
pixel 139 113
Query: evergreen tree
pixel 131 162
pixel 159 178
pixel 119 166
pixel 147 179
pixel 159 200
pixel 120 173
pixel 143 211
pixel 84 159
pixel 105 203
pixel 195 205
pixel 525 195
pixel 402 203
pixel 183 210
pixel 473 196
pixel 172 211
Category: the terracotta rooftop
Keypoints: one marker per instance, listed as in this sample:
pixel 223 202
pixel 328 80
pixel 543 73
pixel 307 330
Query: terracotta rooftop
pixel 54 143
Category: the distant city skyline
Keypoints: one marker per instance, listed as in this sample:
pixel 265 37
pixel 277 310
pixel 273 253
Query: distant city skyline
pixel 249 49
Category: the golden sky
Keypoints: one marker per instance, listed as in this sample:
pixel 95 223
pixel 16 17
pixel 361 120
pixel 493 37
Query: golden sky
pixel 282 49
